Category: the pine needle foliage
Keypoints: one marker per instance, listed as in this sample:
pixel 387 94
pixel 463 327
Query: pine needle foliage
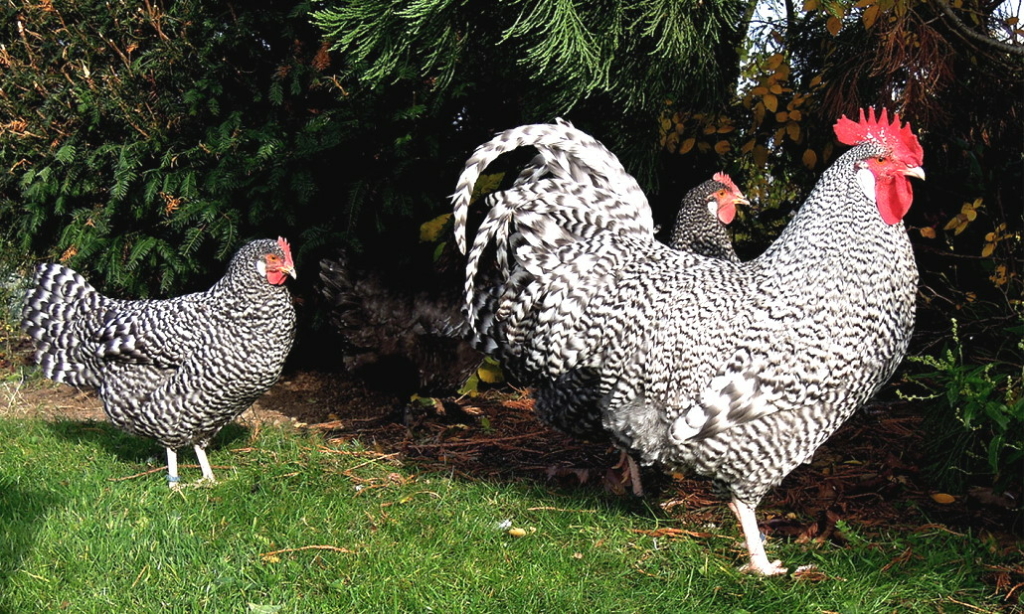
pixel 612 63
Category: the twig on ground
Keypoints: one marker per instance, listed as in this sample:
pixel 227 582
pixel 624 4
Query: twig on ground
pixel 315 547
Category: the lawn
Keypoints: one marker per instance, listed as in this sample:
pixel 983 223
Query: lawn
pixel 303 523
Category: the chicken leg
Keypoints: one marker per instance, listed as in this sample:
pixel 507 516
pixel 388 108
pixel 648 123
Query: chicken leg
pixel 755 547
pixel 204 463
pixel 172 469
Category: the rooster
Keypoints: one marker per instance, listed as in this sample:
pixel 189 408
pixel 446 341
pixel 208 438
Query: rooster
pixel 406 332
pixel 739 371
pixel 175 370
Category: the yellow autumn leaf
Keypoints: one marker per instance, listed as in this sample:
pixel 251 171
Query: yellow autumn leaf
pixel 726 129
pixel 775 88
pixel 862 3
pixel 810 158
pixel 953 223
pixel 927 232
pixel 431 231
pixel 760 90
pixel 810 5
pixel 999 276
pixel 988 250
pixel 793 130
pixel 834 25
pixel 486 184
pixel 970 214
pixel 759 114
pixel 721 147
pixel 760 155
pixel 687 145
pixel 943 498
pixel 748 146
pixel 796 115
pixel 870 16
pixel 770 102
pixel 490 372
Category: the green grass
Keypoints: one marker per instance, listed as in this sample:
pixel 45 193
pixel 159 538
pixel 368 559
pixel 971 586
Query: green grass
pixel 74 540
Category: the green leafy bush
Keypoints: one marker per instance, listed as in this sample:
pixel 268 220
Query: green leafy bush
pixel 143 142
pixel 984 401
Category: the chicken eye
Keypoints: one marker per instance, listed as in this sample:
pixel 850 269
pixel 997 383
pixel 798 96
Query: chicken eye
pixel 880 159
pixel 272 258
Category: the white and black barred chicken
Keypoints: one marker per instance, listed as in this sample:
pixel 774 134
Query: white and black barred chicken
pixel 175 370
pixel 405 330
pixel 703 215
pixel 738 371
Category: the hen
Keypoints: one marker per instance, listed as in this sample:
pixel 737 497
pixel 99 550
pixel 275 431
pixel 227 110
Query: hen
pixel 703 215
pixel 175 370
pixel 401 332
pixel 738 371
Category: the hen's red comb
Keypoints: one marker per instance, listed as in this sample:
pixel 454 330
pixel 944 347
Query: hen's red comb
pixel 901 140
pixel 287 249
pixel 725 180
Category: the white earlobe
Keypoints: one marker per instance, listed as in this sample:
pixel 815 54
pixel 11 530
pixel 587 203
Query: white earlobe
pixel 866 181
pixel 261 267
pixel 713 207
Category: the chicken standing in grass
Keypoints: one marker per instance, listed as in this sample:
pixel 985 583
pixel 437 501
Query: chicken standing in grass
pixel 175 370
pixel 738 371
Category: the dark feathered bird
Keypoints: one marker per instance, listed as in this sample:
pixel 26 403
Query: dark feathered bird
pixel 736 370
pixel 400 332
pixel 175 370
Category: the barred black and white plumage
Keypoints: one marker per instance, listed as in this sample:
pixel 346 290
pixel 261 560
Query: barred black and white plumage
pixel 737 370
pixel 393 324
pixel 175 370
pixel 703 215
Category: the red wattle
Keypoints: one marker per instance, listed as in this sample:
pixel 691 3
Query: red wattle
pixel 276 277
pixel 727 213
pixel 894 197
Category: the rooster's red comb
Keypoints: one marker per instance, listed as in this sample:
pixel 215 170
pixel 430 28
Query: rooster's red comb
pixel 901 140
pixel 287 249
pixel 725 180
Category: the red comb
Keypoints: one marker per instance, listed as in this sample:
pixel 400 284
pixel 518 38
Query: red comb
pixel 287 249
pixel 901 140
pixel 725 180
